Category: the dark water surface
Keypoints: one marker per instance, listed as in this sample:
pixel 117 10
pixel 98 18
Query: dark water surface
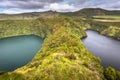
pixel 18 51
pixel 106 48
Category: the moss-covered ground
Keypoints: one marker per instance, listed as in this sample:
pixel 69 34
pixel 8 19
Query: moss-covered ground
pixel 63 55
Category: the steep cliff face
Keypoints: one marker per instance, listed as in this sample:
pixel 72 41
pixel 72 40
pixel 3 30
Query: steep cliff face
pixel 62 56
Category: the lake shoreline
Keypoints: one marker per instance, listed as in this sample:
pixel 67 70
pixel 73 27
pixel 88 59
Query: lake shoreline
pixel 113 37
pixel 20 35
pixel 103 47
pixel 17 51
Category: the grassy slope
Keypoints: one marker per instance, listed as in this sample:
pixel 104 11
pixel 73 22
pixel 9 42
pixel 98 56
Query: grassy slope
pixel 15 27
pixel 106 22
pixel 62 57
pixel 48 27
pixel 111 29
pixel 107 17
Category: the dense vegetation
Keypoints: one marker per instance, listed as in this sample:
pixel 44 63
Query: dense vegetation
pixel 104 21
pixel 111 74
pixel 62 56
pixel 111 29
pixel 15 27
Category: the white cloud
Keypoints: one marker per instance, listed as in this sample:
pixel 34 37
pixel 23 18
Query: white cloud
pixel 6 4
pixel 61 7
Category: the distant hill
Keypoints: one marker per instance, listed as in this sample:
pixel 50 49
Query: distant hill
pixel 27 15
pixel 86 12
pixel 93 12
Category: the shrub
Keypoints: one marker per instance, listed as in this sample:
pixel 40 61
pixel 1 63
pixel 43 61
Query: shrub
pixel 110 73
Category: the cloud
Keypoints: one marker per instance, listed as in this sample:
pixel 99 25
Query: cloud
pixel 61 7
pixel 114 5
pixel 26 4
pixel 17 10
pixel 19 6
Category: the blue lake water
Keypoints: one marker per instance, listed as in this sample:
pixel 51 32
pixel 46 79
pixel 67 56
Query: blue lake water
pixel 108 49
pixel 18 51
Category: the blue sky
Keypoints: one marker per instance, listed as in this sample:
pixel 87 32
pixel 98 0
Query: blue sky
pixel 21 6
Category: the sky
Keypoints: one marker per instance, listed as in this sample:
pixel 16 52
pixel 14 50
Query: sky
pixel 22 6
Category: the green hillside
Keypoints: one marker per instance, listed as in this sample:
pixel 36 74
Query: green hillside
pixel 63 55
pixel 89 12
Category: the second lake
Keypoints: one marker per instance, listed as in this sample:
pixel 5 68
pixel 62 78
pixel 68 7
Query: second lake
pixel 108 49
